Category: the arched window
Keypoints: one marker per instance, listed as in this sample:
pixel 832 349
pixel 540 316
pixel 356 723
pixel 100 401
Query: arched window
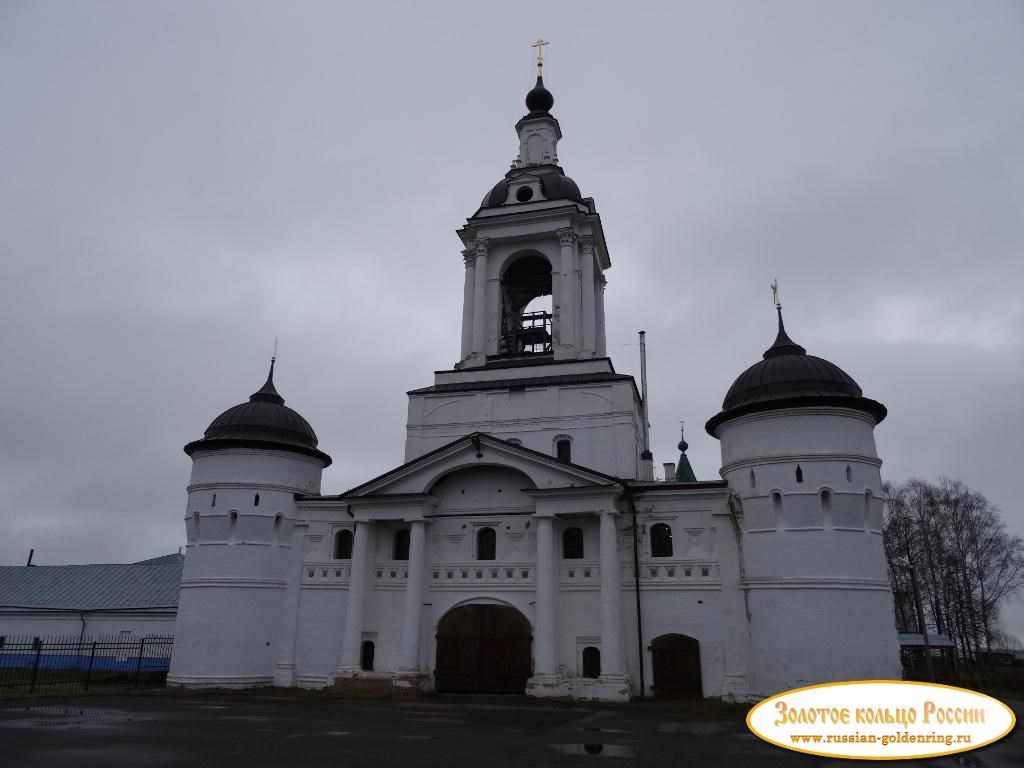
pixel 563 450
pixel 400 545
pixel 661 540
pixel 232 526
pixel 366 651
pixel 826 509
pixel 572 544
pixel 486 544
pixel 195 525
pixel 799 474
pixel 278 520
pixel 591 661
pixel 867 511
pixel 213 503
pixel 256 501
pixel 849 474
pixel 343 545
pixel 753 480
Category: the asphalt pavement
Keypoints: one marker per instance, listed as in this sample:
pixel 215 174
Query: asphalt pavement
pixel 257 730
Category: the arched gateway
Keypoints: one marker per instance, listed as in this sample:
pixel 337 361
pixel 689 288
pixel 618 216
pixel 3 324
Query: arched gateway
pixel 483 648
pixel 676 662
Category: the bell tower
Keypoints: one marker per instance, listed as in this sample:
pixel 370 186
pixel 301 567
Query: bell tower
pixel 533 366
pixel 534 235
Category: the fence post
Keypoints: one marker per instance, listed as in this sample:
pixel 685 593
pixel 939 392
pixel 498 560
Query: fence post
pixel 138 666
pixel 92 658
pixel 35 663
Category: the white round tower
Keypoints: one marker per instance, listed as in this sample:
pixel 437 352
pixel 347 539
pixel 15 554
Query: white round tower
pixel 798 452
pixel 246 470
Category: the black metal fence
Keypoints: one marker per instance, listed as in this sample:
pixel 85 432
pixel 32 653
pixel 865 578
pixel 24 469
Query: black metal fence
pixel 30 665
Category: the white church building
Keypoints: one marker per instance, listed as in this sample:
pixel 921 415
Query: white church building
pixel 524 545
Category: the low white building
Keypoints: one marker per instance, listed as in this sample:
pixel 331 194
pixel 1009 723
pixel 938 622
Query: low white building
pixel 524 545
pixel 129 599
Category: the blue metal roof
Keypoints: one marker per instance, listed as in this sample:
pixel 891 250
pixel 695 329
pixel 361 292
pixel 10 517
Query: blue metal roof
pixel 148 584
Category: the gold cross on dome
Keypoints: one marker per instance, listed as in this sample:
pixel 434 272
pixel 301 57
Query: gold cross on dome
pixel 539 45
pixel 775 292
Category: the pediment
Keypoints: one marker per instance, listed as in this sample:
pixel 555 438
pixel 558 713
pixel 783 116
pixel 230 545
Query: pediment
pixel 479 450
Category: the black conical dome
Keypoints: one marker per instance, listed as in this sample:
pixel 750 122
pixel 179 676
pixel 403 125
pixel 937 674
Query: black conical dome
pixel 789 377
pixel 262 422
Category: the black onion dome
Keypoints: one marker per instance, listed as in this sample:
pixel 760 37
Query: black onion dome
pixel 788 377
pixel 263 422
pixel 539 99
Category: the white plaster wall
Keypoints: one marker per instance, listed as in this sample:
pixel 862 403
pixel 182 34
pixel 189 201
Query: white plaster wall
pixel 601 420
pixel 235 575
pixel 813 565
pixel 807 636
pixel 321 621
pixel 70 624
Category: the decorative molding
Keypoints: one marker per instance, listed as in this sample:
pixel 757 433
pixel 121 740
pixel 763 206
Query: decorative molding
pixel 566 237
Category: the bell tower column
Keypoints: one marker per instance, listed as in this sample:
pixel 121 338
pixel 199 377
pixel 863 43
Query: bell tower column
pixel 589 302
pixel 468 296
pixel 568 305
pixel 478 356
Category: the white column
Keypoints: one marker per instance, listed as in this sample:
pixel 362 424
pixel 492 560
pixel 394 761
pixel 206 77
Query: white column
pixel 556 311
pixel 601 344
pixel 544 661
pixel 468 295
pixel 410 659
pixel 568 309
pixel 589 314
pixel 352 637
pixel 611 597
pixel 480 300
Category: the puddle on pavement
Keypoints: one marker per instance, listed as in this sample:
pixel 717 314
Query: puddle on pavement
pixel 693 728
pixel 595 750
pixel 70 718
pixel 412 736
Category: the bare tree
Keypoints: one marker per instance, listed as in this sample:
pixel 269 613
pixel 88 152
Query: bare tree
pixel 953 543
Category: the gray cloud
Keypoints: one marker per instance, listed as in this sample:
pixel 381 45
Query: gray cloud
pixel 182 182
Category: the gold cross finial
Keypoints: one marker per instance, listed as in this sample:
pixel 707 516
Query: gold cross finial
pixel 539 45
pixel 775 293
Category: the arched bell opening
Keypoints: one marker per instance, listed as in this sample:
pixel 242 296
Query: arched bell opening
pixel 526 307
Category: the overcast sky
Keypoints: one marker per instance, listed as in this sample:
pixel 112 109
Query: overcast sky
pixel 182 181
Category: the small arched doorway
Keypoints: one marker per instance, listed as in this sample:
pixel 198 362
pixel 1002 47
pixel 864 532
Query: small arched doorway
pixel 483 648
pixel 676 662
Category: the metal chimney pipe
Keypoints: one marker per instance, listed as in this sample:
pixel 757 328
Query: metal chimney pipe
pixel 646 458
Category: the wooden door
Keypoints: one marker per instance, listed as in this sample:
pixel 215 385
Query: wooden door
pixel 676 662
pixel 483 649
